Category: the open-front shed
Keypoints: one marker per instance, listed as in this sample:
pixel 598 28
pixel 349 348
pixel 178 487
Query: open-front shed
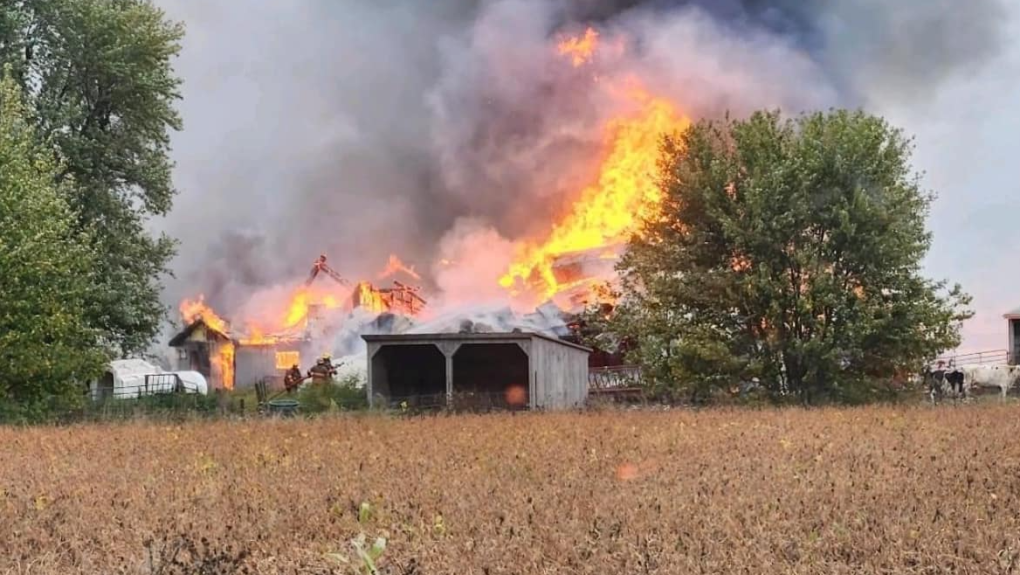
pixel 516 369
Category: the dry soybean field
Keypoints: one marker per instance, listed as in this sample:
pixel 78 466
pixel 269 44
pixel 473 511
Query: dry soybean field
pixel 868 490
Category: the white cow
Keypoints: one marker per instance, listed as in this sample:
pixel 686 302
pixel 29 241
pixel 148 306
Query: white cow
pixel 1002 376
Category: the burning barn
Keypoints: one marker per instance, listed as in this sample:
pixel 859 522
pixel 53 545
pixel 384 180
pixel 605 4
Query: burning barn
pixel 242 357
pixel 565 266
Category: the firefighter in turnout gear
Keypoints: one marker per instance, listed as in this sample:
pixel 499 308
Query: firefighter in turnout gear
pixel 323 370
pixel 293 378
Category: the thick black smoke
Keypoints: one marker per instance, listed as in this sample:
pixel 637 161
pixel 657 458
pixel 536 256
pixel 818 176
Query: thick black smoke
pixel 364 128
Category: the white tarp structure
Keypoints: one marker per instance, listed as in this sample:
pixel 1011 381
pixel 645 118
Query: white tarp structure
pixel 127 378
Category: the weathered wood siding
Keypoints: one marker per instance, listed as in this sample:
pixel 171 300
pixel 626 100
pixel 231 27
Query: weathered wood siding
pixel 560 373
pixel 255 362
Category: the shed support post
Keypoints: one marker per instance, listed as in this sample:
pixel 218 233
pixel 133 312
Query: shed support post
pixel 372 349
pixel 449 379
pixel 449 348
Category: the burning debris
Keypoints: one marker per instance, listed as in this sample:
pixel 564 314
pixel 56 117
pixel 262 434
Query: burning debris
pixel 249 352
pixel 400 298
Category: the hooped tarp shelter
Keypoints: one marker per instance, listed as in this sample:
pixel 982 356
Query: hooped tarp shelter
pixel 130 378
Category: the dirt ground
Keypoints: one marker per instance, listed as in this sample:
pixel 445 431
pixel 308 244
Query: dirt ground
pixel 867 490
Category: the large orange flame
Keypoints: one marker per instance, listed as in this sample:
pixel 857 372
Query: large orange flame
pixel 303 300
pixel 298 309
pixel 579 48
pixel 367 297
pixel 256 336
pixel 624 193
pixel 223 364
pixel 606 212
pixel 194 310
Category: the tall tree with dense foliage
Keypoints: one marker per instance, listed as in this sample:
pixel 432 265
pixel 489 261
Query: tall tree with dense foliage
pixel 99 84
pixel 790 251
pixel 47 277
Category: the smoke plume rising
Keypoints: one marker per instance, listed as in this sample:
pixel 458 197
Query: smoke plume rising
pixel 449 130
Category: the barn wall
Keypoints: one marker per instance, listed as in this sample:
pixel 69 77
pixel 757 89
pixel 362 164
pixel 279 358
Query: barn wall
pixel 252 363
pixel 215 378
pixel 255 362
pixel 578 368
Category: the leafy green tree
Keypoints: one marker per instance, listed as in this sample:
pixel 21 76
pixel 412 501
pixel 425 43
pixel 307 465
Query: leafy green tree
pixel 790 251
pixel 47 348
pixel 98 80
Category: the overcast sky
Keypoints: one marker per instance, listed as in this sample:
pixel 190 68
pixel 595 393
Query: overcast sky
pixel 303 121
pixel 966 137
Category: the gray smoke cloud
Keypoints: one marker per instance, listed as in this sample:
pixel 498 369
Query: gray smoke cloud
pixel 363 129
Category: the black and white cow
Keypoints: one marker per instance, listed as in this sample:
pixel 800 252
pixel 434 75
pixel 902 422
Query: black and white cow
pixel 941 382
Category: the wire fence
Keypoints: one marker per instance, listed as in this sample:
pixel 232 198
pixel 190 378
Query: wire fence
pixel 620 376
pixel 991 357
pixel 458 401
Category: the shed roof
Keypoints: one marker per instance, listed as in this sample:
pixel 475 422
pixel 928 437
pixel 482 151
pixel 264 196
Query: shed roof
pixel 185 333
pixel 1015 314
pixel 488 336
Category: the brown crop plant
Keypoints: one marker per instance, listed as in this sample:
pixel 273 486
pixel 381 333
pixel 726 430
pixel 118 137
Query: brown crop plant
pixel 867 490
